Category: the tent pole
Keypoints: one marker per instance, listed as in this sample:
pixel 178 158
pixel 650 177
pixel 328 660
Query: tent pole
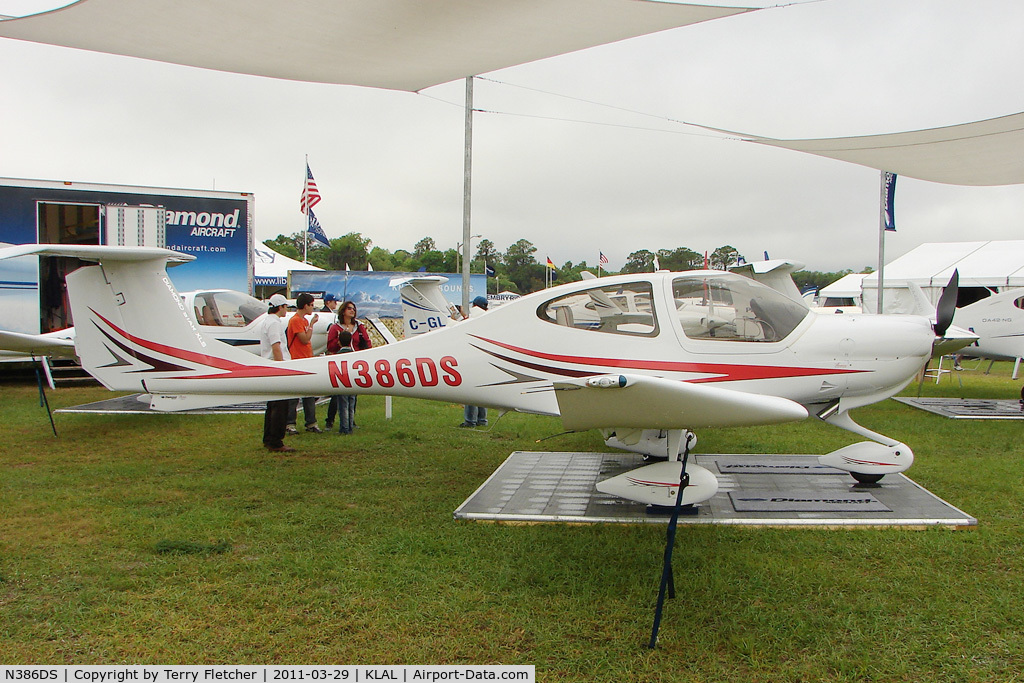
pixel 467 183
pixel 881 246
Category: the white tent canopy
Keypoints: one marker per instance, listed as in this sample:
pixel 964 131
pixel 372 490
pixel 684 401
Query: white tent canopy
pixel 989 152
pixel 846 287
pixel 981 264
pixel 998 265
pixel 412 44
pixel 394 44
pixel 271 269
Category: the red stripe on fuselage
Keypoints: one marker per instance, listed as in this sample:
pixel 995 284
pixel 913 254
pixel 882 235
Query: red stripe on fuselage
pixel 724 372
pixel 232 369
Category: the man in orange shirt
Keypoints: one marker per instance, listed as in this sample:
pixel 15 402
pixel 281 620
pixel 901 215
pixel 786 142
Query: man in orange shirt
pixel 300 345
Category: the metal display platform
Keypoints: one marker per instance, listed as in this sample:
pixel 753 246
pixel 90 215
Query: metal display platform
pixel 755 490
pixel 132 405
pixel 968 408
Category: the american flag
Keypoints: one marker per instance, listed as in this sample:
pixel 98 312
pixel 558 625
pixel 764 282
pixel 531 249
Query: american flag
pixel 310 195
pixel 602 259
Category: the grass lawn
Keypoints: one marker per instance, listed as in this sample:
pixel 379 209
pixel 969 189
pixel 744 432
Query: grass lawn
pixel 171 539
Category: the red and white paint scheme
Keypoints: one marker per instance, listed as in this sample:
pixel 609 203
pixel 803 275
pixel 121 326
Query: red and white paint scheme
pixel 226 315
pixel 625 354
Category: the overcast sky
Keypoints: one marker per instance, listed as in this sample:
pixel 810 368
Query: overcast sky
pixel 549 166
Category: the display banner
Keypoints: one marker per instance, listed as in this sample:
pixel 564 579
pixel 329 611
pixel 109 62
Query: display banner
pixel 372 292
pixel 215 230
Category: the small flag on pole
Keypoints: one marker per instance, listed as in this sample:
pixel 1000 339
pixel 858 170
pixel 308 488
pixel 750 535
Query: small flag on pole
pixel 316 231
pixel 488 270
pixel 310 195
pixel 888 199
pixel 551 265
pixel 602 259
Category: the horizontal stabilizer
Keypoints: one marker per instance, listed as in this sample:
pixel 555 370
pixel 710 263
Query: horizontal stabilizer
pixel 617 401
pixel 57 344
pixel 171 403
pixel 383 330
pixel 95 252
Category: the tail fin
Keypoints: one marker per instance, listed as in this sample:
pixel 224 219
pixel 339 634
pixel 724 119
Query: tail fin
pixel 776 273
pixel 424 307
pixel 922 306
pixel 130 322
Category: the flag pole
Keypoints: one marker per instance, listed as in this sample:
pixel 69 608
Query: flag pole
pixel 881 245
pixel 305 205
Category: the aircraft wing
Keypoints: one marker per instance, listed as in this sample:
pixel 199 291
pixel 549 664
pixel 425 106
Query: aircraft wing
pixel 382 330
pixel 37 344
pixel 634 401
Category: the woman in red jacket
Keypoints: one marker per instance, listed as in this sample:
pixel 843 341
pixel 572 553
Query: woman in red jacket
pixel 360 341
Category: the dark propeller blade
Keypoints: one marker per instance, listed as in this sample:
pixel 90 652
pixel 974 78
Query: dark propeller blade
pixel 947 305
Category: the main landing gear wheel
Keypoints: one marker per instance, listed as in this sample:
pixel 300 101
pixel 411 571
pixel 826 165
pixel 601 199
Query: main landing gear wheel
pixel 867 478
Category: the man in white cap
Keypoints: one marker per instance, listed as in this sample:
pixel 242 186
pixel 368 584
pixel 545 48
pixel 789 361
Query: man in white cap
pixel 273 347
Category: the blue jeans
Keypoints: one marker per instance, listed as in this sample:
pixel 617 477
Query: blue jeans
pixel 332 409
pixel 308 410
pixel 346 414
pixel 474 415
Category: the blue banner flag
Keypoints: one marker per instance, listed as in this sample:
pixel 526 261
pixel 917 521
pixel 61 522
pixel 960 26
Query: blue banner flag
pixel 488 270
pixel 888 198
pixel 316 231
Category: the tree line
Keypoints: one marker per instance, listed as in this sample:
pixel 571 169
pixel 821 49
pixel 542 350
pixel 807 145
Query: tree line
pixel 517 268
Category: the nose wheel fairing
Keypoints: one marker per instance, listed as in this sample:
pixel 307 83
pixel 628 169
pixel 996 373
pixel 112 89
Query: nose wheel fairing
pixel 869 459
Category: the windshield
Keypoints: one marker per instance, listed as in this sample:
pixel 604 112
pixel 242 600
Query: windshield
pixel 227 309
pixel 734 308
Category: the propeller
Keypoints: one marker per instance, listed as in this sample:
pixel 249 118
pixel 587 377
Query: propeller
pixel 947 305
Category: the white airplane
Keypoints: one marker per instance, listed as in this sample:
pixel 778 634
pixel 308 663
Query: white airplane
pixel 773 362
pixel 998 321
pixel 233 318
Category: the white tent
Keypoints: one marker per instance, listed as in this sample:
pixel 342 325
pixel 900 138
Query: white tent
pixel 270 269
pixel 846 287
pixel 997 265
